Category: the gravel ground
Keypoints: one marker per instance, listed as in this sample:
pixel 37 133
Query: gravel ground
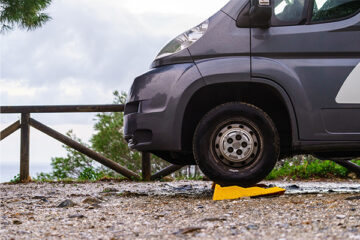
pixel 176 210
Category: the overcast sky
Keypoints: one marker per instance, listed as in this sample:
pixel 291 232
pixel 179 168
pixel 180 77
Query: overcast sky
pixel 89 49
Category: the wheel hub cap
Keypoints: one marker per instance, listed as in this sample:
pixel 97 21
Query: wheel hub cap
pixel 236 143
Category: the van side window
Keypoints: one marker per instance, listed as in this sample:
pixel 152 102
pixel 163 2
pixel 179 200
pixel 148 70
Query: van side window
pixel 326 10
pixel 288 12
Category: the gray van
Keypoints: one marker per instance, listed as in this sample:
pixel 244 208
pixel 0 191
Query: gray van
pixel 259 81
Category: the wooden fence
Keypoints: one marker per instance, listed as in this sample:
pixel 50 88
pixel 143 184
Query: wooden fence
pixel 26 121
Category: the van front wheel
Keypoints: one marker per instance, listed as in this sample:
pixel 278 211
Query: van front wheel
pixel 236 144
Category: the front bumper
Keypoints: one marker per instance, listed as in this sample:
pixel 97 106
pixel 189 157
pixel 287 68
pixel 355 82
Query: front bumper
pixel 142 134
pixel 153 112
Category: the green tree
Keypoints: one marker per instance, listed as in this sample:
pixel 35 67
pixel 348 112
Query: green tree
pixel 26 14
pixel 73 165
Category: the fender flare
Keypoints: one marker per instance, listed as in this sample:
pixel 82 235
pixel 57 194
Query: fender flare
pixel 288 103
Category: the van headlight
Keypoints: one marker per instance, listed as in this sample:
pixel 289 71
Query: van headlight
pixel 184 40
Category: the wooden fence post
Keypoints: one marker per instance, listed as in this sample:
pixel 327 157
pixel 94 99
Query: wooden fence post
pixel 146 166
pixel 24 148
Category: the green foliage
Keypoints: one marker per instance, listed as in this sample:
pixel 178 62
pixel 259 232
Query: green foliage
pixel 27 14
pixel 16 179
pixel 306 167
pixel 90 173
pixel 73 164
pixel 44 177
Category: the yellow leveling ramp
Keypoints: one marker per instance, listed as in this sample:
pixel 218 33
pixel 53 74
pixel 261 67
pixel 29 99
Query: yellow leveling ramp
pixel 235 192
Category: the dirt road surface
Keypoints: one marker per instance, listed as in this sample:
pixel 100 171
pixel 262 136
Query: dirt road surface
pixel 177 210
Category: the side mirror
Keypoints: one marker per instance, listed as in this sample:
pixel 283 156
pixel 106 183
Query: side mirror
pixel 260 13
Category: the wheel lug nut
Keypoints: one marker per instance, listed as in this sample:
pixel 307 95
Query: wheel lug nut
pixel 238 137
pixel 239 152
pixel 230 149
pixel 244 144
pixel 230 140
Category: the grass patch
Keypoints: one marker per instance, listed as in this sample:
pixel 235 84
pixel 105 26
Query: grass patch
pixel 309 168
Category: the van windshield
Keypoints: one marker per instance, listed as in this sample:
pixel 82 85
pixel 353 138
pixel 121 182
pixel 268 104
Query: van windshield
pixel 325 10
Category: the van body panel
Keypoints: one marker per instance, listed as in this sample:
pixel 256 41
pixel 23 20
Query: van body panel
pixel 342 121
pixel 317 58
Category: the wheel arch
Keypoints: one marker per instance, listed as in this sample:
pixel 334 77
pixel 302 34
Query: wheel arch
pixel 259 92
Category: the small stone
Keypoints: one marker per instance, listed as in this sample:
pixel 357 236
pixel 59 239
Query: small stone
pixel 292 187
pixel 340 216
pixel 213 219
pixel 76 216
pixel 91 200
pixel 352 175
pixel 252 227
pixel 353 198
pixel 133 194
pixel 168 179
pixel 159 216
pixel 94 206
pixel 110 194
pixel 42 198
pixel 66 204
pixel 188 230
pixel 17 222
pixel 108 190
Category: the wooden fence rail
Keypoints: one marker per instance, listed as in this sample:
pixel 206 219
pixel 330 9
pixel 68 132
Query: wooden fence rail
pixel 27 121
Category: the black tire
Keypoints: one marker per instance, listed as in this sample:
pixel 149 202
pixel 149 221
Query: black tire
pixel 211 143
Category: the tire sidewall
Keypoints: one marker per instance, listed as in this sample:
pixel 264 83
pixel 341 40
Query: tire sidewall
pixel 224 174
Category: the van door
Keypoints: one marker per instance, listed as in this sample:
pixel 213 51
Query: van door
pixel 312 50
